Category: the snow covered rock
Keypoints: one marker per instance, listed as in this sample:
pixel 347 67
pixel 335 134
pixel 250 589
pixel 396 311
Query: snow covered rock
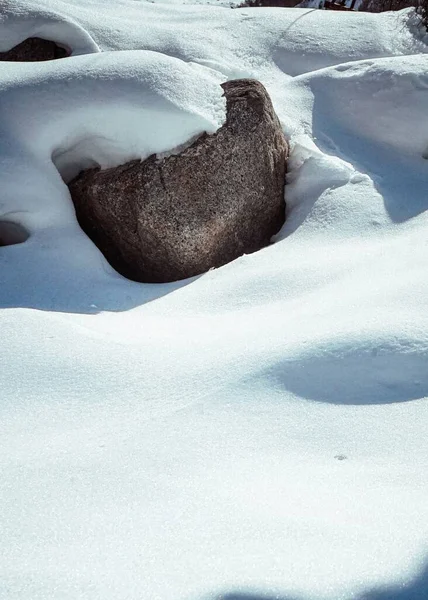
pixel 34 49
pixel 172 217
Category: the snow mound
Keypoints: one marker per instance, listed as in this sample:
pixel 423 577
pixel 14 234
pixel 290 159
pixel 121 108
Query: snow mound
pixel 100 109
pixel 368 127
pixel 393 89
pixel 19 21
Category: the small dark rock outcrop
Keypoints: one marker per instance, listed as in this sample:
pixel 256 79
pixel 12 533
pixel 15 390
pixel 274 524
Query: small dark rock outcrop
pixel 33 50
pixel 166 219
pixel 12 233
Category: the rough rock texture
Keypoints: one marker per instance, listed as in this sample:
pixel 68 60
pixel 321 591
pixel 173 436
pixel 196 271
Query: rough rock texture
pixel 34 49
pixel 167 219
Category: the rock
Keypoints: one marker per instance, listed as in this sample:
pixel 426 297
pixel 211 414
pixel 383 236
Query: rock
pixel 166 219
pixel 34 49
pixel 12 233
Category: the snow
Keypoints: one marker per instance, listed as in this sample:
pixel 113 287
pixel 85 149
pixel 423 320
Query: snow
pixel 93 121
pixel 19 21
pixel 255 432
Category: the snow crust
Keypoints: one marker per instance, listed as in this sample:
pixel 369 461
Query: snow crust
pixel 257 432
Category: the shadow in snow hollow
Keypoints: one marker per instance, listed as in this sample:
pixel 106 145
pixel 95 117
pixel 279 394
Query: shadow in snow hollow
pixel 414 589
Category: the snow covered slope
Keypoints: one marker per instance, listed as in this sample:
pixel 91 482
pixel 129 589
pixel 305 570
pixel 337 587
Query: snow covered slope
pixel 256 432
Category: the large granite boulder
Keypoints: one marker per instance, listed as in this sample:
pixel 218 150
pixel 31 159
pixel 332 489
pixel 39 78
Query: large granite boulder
pixel 166 219
pixel 34 49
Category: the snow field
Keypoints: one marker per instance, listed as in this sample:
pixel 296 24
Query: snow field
pixel 255 432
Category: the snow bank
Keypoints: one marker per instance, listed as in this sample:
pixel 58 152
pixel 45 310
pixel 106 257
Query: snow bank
pixel 236 43
pixel 109 108
pixel 259 431
pixel 367 120
pixel 395 90
pixel 102 109
pixel 19 21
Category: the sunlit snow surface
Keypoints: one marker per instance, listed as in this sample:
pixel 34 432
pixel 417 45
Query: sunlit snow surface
pixel 259 432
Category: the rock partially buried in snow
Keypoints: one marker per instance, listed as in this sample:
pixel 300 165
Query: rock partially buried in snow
pixel 12 233
pixel 33 50
pixel 169 218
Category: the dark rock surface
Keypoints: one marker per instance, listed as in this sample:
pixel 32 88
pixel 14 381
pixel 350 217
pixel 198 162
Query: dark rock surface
pixel 34 49
pixel 12 233
pixel 167 219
